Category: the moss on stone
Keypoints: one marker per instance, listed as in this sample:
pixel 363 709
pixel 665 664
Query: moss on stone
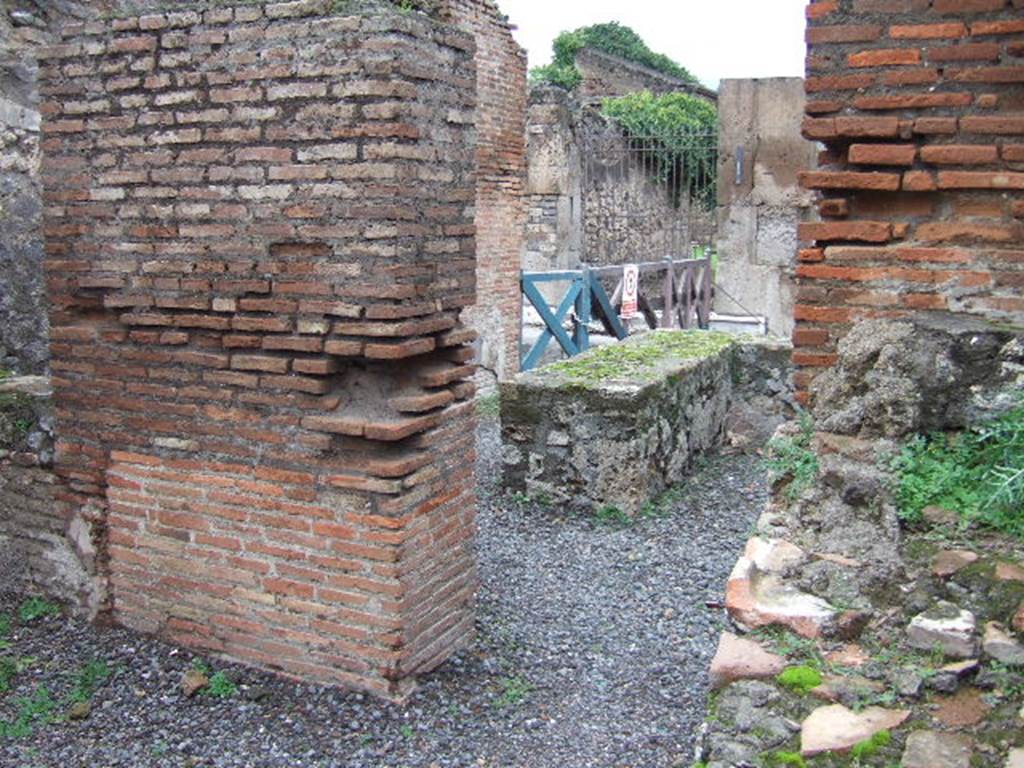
pixel 800 679
pixel 639 361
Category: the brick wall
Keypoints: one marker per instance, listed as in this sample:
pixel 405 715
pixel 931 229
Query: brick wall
pixel 501 168
pixel 259 243
pixel 919 106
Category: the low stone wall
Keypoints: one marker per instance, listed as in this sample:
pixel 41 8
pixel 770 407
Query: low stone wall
pixel 37 549
pixel 616 426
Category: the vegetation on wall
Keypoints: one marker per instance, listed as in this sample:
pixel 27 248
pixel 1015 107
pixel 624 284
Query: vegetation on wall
pixel 610 37
pixel 978 473
pixel 678 133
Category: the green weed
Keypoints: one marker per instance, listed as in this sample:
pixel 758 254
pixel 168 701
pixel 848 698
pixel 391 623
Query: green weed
pixel 88 679
pixel 8 670
pixel 978 472
pixel 513 690
pixel 612 515
pixel 33 710
pixel 792 645
pixel 36 608
pixel 221 686
pixel 864 749
pixel 792 457
pixel 781 759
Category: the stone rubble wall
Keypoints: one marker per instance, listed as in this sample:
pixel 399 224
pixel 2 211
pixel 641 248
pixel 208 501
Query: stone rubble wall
pixel 918 106
pixel 38 552
pixel 591 197
pixel 259 241
pixel 905 626
pixel 592 445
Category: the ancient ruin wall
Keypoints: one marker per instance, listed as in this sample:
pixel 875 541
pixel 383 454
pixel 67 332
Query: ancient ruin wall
pixel 920 107
pixel 259 241
pixel 501 168
pixel 22 307
pixel 594 195
pixel 760 203
pixel 605 75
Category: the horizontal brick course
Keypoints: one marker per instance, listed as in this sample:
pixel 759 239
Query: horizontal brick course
pixel 254 251
pixel 933 94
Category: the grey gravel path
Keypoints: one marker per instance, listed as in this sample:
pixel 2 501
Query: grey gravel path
pixel 593 645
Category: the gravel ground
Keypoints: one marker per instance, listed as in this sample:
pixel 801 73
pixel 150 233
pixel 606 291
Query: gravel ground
pixel 593 644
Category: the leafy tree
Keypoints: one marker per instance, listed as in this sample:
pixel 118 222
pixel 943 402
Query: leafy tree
pixel 610 37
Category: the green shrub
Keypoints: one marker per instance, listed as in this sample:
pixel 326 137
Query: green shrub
pixel 792 457
pixel 800 679
pixel 610 37
pixel 978 472
pixel 678 133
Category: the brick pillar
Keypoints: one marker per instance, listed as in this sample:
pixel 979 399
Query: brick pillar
pixel 259 243
pixel 918 104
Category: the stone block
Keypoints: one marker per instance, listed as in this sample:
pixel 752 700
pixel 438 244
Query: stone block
pixel 617 425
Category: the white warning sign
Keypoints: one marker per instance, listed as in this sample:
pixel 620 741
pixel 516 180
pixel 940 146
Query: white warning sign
pixel 630 284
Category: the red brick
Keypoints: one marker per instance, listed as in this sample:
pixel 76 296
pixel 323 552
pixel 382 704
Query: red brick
pixel 887 57
pixel 836 208
pixel 988 75
pixel 928 31
pixel 917 76
pixel 849 33
pixel 867 127
pixel 883 154
pixel 947 231
pixel 967 6
pixel 866 231
pixel 890 6
pixel 914 101
pixel 935 125
pixel 960 154
pixel 1003 27
pixel 1005 124
pixel 966 52
pixel 821 9
pixel 981 180
pixel 849 180
pixel 810 337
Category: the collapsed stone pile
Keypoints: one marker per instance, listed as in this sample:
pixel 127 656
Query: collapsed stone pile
pixel 866 638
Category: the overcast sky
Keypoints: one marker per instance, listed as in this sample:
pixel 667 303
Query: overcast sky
pixel 714 39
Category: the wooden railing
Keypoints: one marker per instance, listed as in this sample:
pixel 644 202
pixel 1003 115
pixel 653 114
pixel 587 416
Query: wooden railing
pixel 686 294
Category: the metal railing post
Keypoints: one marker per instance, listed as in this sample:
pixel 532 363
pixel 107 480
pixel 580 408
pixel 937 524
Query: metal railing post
pixel 581 333
pixel 668 313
